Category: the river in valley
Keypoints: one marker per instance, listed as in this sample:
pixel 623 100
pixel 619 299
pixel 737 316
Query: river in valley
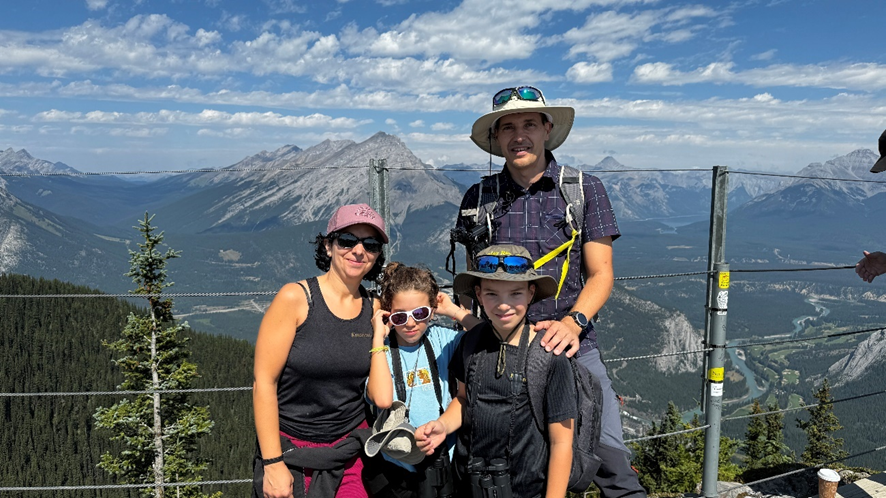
pixel 737 356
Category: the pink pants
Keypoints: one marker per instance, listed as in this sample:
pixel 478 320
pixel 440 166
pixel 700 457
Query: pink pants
pixel 352 481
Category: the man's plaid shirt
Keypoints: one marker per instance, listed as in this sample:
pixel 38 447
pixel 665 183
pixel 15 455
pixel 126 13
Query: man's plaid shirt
pixel 535 219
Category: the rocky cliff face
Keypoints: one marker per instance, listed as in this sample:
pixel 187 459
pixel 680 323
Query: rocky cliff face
pixel 671 332
pixel 854 365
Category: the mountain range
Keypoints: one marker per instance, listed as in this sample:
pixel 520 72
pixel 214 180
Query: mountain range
pixel 248 226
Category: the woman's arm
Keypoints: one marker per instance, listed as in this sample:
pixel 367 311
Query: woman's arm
pixel 447 308
pixel 560 460
pixel 433 433
pixel 380 386
pixel 275 336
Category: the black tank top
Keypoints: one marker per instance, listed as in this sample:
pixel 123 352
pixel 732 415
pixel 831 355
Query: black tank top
pixel 320 392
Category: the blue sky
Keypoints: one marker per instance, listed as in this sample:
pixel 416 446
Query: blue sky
pixel 107 85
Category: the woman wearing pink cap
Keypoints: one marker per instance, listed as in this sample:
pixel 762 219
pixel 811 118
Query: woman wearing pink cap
pixel 311 359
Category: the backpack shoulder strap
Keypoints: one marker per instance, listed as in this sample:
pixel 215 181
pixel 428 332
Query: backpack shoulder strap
pixel 469 346
pixel 397 368
pixel 435 373
pixel 538 369
pixel 487 199
pixel 572 190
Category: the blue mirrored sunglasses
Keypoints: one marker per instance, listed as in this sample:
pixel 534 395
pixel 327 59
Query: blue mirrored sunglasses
pixel 511 264
pixel 520 92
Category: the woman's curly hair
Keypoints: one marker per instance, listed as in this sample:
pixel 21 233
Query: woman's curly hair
pixel 323 260
pixel 398 278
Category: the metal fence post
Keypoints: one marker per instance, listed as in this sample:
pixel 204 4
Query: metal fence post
pixel 716 253
pixel 715 330
pixel 378 195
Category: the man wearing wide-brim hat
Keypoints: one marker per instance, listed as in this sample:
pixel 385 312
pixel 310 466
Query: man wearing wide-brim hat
pixel 873 264
pixel 532 202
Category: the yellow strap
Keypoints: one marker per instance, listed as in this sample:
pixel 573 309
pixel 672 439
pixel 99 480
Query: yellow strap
pixel 553 254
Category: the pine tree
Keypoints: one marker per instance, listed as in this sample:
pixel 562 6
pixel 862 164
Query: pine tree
pixel 159 435
pixel 821 445
pixel 673 464
pixel 775 451
pixel 755 438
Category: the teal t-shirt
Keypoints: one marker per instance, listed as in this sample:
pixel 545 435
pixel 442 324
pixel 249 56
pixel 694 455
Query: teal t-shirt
pixel 420 396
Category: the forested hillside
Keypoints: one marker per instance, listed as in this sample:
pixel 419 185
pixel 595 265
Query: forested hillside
pixel 55 345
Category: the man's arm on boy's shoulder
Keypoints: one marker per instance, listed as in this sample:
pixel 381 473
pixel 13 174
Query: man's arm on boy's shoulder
pixel 563 335
pixel 560 460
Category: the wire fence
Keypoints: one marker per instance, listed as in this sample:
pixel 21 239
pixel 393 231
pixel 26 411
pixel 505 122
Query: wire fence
pixel 442 170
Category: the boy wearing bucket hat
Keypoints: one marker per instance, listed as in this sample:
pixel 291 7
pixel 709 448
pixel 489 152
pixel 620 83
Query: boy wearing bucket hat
pixel 491 410
pixel 565 220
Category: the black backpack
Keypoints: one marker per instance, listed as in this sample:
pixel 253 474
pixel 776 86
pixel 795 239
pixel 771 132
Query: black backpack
pixel 589 404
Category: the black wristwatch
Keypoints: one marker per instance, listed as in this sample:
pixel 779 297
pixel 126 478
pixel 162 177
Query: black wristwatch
pixel 580 319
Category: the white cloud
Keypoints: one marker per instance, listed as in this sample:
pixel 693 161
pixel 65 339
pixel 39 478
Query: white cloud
pixel 96 4
pixel 390 121
pixel 418 123
pixel 285 7
pixel 138 132
pixel 665 74
pixel 233 23
pixel 858 76
pixel 764 56
pixel 584 72
pixel 611 35
pixel 206 117
pixel 226 133
pixel 442 126
pixel 464 32
pixel 339 97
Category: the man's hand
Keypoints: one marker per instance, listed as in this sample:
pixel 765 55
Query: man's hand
pixel 560 336
pixel 871 265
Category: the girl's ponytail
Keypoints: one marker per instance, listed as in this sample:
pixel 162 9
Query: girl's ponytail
pixel 398 277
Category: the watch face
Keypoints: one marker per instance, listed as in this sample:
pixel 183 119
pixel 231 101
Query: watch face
pixel 579 318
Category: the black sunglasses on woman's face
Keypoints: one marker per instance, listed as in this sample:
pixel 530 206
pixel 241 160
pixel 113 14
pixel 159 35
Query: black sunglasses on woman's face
pixel 347 240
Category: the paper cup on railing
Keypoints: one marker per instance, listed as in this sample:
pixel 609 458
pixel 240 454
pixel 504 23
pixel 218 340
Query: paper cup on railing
pixel 827 483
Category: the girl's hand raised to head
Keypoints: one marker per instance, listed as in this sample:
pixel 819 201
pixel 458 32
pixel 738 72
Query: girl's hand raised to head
pixel 446 307
pixel 380 327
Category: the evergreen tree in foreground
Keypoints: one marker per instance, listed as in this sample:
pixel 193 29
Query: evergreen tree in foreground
pixel 821 445
pixel 764 439
pixel 673 464
pixel 755 438
pixel 159 433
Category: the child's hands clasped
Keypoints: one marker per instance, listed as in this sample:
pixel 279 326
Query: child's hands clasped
pixel 429 436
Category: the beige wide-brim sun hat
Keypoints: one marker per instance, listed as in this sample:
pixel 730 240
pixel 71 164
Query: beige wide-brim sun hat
pixel 561 117
pixel 880 165
pixel 393 435
pixel 545 285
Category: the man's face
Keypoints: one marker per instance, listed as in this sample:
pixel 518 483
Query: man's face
pixel 521 137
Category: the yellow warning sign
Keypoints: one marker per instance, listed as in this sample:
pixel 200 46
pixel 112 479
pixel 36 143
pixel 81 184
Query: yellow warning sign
pixel 724 279
pixel 715 374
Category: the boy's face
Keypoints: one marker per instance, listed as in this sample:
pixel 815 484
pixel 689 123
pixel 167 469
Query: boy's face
pixel 505 302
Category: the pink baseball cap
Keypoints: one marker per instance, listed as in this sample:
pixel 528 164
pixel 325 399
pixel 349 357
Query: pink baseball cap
pixel 355 214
